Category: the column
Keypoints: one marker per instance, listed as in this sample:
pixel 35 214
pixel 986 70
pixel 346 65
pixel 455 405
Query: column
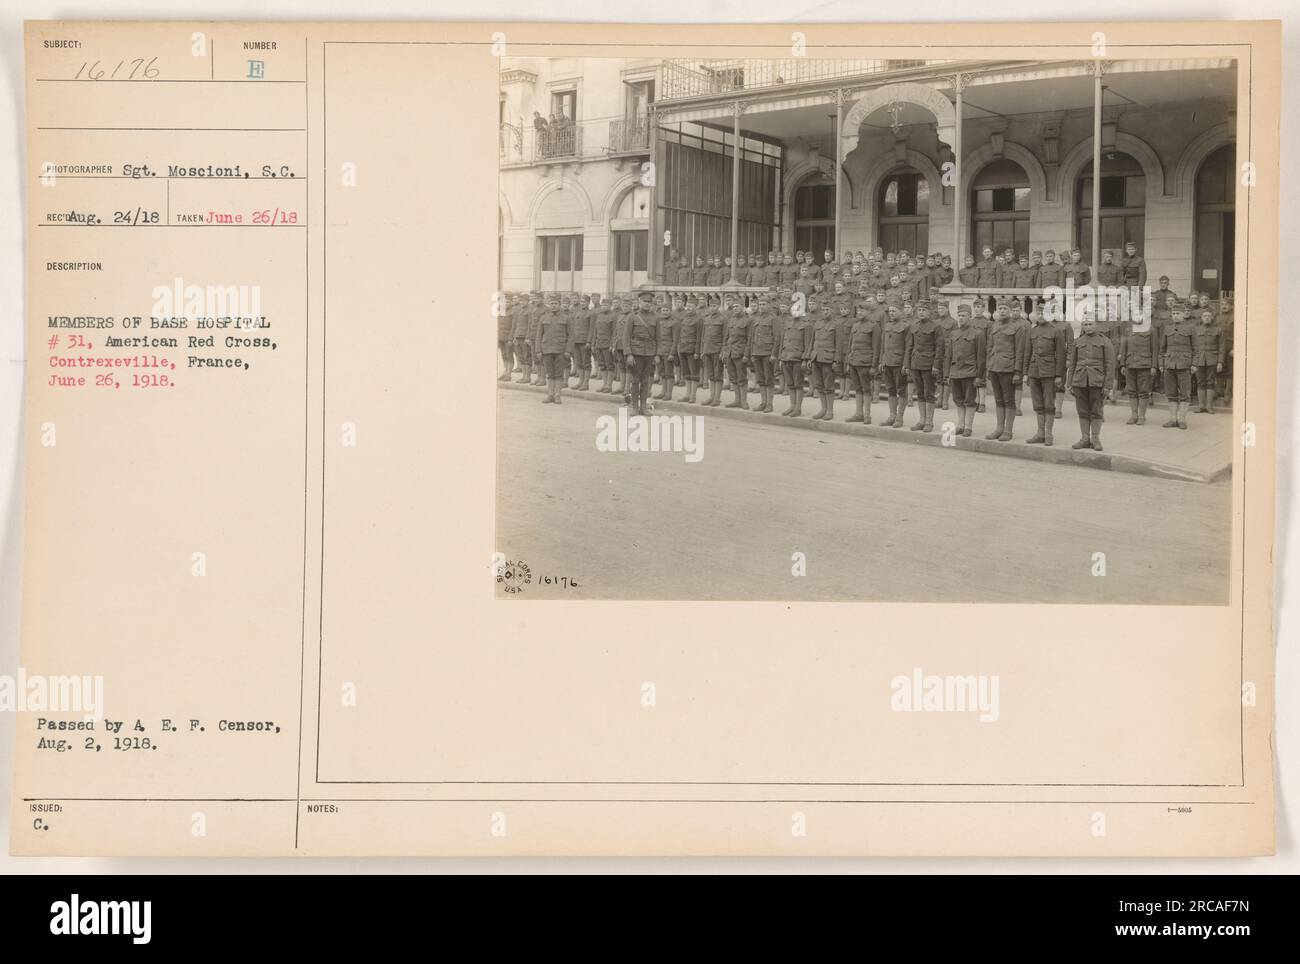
pixel 957 83
pixel 735 189
pixel 655 240
pixel 839 165
pixel 1096 168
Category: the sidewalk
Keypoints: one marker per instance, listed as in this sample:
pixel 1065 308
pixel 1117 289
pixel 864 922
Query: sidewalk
pixel 1201 453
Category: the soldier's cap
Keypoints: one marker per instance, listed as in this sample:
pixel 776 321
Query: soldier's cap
pixel 1050 251
pixel 963 309
pixel 646 296
pixel 923 303
pixel 1038 254
pixel 1164 277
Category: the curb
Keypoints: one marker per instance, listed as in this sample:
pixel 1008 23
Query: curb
pixel 1085 458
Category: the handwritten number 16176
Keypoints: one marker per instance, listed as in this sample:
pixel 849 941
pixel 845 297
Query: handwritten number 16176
pixel 139 69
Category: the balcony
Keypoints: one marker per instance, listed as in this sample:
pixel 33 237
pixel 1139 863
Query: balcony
pixel 551 145
pixel 682 79
pixel 629 135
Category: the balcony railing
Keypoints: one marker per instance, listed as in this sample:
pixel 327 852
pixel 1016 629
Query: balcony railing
pixel 699 78
pixel 557 142
pixel 629 134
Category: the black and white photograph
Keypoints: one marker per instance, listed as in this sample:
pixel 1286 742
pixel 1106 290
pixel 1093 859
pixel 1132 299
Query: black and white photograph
pixel 868 330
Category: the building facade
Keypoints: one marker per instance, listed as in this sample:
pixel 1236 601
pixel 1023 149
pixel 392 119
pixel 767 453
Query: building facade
pixel 935 156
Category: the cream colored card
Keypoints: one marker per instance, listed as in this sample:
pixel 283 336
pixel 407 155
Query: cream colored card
pixel 309 569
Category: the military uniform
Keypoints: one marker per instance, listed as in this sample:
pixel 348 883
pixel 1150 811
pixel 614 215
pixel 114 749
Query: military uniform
pixel 666 350
pixel 1045 369
pixel 796 349
pixel 521 321
pixel 1134 270
pixel 1006 347
pixel 1024 276
pixel 1109 274
pixel 551 344
pixel 1079 273
pixel 713 332
pixel 505 344
pixel 923 358
pixel 689 327
pixel 1092 368
pixel 621 313
pixel 965 353
pixel 1177 344
pixel 1208 353
pixel 1052 273
pixel 861 357
pixel 736 352
pixel 893 352
pixel 1139 357
pixel 602 345
pixel 764 341
pixel 1067 332
pixel 842 305
pixel 580 341
pixel 640 345
pixel 824 352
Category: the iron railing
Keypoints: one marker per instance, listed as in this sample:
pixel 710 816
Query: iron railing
pixel 698 78
pixel 629 134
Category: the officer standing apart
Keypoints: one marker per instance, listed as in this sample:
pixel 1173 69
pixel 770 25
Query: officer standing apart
pixel 640 344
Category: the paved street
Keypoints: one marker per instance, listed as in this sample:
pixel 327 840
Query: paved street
pixel 876 520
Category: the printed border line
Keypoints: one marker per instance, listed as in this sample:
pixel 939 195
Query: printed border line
pixel 324 312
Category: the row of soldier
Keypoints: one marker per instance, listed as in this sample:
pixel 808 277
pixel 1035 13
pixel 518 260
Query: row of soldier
pixel 841 347
pixel 919 273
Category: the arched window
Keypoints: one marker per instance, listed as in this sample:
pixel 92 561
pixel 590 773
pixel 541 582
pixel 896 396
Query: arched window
pixel 1123 205
pixel 814 216
pixel 1216 213
pixel 999 205
pixel 904 220
pixel 629 237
